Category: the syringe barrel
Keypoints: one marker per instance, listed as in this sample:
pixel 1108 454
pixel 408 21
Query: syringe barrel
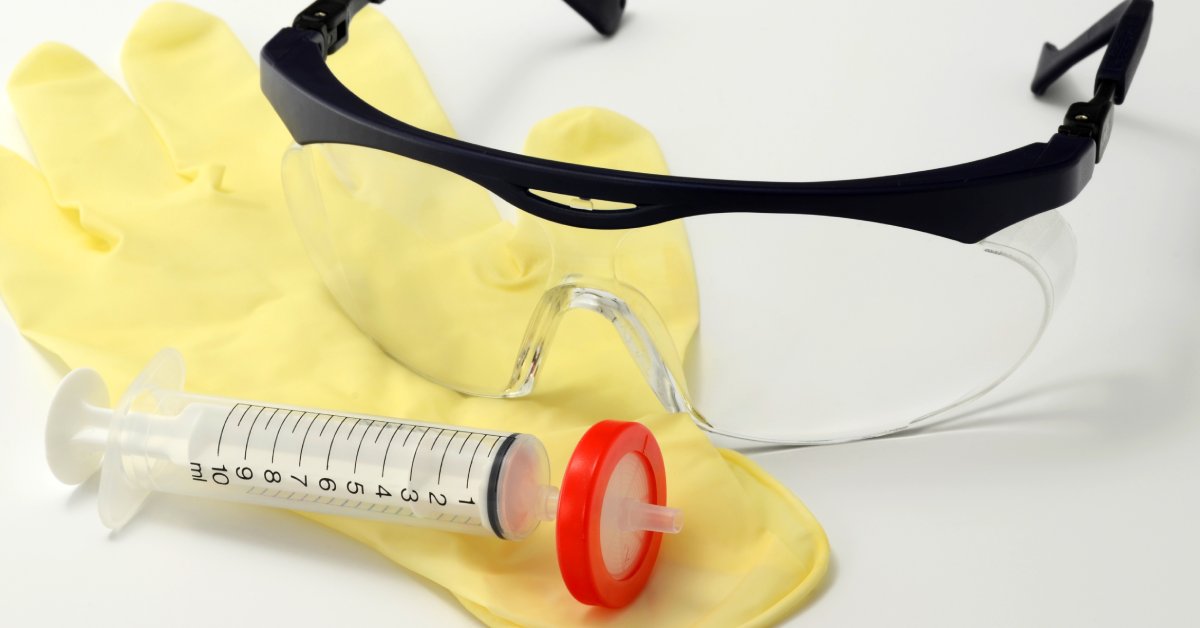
pixel 406 472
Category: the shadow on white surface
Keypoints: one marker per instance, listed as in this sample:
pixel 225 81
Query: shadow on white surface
pixel 1122 407
pixel 1101 409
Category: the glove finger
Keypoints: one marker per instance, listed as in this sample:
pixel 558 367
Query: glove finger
pixel 200 87
pixel 377 65
pixel 37 238
pixel 96 148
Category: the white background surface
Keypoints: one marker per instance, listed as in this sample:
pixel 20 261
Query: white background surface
pixel 1069 498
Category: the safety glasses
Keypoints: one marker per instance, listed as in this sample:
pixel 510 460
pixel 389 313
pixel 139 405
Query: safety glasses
pixel 868 305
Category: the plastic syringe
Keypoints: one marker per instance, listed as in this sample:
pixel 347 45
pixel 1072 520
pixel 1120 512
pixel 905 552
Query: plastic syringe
pixel 610 510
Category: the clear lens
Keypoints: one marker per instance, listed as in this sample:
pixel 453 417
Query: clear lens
pixel 425 263
pixel 830 330
pixel 837 330
pixel 420 259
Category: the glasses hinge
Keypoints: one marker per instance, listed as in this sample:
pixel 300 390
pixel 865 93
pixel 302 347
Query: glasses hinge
pixel 330 19
pixel 1093 118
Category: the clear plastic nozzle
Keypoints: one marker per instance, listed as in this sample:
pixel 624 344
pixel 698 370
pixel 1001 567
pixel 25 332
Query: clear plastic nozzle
pixel 637 516
pixel 652 518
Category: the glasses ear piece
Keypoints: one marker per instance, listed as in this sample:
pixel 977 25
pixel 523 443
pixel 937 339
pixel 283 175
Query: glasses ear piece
pixel 603 15
pixel 1124 31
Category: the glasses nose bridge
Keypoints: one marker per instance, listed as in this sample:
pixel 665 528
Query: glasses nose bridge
pixel 653 352
pixel 642 333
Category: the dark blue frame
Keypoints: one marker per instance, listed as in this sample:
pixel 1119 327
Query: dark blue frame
pixel 967 202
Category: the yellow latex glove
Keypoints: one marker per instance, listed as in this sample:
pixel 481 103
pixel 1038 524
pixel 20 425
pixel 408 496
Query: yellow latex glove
pixel 162 223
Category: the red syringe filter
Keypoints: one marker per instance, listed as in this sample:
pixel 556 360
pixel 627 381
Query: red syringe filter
pixel 612 514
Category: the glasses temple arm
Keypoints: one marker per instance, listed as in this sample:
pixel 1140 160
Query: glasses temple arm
pixel 1125 31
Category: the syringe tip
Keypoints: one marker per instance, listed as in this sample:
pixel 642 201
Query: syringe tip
pixel 549 503
pixel 77 426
